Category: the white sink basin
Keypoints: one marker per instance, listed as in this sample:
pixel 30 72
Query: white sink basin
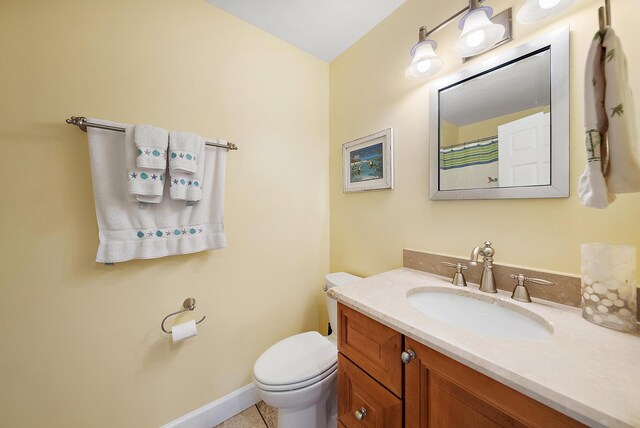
pixel 479 314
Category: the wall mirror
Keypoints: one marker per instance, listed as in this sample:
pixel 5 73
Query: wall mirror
pixel 500 129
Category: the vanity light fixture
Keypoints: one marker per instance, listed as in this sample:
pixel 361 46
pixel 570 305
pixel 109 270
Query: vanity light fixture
pixel 426 61
pixel 479 34
pixel 538 10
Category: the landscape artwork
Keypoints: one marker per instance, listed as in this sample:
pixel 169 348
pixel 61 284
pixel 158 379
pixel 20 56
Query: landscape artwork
pixel 366 163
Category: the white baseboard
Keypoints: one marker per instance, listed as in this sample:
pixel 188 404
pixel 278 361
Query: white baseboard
pixel 219 411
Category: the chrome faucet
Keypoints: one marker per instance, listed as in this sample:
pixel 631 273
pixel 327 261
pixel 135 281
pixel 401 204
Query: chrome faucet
pixel 488 282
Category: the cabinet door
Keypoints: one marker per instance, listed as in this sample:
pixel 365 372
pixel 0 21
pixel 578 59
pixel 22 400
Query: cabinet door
pixel 358 392
pixel 374 347
pixel 441 392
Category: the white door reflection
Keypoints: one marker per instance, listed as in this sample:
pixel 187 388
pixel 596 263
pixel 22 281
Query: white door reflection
pixel 524 151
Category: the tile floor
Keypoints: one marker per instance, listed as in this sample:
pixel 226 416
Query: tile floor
pixel 259 416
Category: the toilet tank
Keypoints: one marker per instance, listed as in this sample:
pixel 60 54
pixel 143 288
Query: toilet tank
pixel 331 280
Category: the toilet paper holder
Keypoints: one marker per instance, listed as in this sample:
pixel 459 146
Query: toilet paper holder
pixel 188 305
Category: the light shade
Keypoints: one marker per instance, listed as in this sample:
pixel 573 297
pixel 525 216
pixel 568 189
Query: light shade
pixel 537 10
pixel 426 61
pixel 479 34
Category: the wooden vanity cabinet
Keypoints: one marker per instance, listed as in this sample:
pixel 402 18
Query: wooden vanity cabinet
pixel 369 372
pixel 372 346
pixel 364 402
pixel 431 391
pixel 441 392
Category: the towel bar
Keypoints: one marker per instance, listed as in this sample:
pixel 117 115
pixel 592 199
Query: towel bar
pixel 188 305
pixel 81 122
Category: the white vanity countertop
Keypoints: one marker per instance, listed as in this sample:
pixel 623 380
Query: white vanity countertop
pixel 585 371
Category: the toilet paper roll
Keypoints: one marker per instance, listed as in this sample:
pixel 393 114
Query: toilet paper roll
pixel 183 331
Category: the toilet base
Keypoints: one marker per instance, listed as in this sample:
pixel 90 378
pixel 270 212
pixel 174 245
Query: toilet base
pixel 324 414
pixel 313 407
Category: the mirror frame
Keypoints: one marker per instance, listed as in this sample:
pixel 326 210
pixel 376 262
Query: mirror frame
pixel 558 41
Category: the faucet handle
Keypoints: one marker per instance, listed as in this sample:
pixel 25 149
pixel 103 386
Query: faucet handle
pixel 520 292
pixel 458 277
pixel 522 279
pixel 457 266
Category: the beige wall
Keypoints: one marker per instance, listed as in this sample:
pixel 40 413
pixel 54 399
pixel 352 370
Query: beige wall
pixel 81 342
pixel 452 135
pixel 449 133
pixel 369 93
pixel 489 127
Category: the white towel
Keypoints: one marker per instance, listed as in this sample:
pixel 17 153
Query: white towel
pixel 184 150
pixel 592 187
pixel 151 144
pixel 189 187
pixel 145 184
pixel 164 229
pixel 623 174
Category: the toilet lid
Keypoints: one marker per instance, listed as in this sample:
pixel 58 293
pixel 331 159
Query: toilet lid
pixel 295 360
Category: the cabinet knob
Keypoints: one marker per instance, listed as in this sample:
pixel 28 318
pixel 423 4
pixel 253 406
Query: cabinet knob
pixel 360 414
pixel 407 356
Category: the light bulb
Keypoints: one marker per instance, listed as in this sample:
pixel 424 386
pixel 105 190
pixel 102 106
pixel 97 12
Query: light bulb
pixel 548 4
pixel 474 39
pixel 426 61
pixel 479 34
pixel 423 66
pixel 538 10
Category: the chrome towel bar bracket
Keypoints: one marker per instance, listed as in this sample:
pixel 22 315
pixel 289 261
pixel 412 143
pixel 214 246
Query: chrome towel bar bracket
pixel 188 305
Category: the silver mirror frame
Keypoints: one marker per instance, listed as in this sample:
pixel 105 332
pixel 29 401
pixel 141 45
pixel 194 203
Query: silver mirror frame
pixel 558 40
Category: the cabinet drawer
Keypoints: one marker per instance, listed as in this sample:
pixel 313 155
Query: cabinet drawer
pixel 374 347
pixel 357 391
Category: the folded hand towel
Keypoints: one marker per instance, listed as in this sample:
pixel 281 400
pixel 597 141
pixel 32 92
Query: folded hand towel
pixel 184 150
pixel 592 188
pixel 163 229
pixel 151 144
pixel 188 187
pixel 623 174
pixel 147 185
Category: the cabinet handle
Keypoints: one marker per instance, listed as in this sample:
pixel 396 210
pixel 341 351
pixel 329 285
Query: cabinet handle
pixel 407 356
pixel 360 414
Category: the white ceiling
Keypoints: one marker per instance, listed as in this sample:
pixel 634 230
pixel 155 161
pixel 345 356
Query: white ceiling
pixel 324 28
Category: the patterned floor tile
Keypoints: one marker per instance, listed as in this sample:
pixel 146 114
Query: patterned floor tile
pixel 250 418
pixel 269 414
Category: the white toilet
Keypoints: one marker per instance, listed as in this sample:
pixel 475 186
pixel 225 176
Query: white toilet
pixel 298 375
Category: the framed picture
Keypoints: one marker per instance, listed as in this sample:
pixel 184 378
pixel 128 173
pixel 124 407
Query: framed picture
pixel 367 162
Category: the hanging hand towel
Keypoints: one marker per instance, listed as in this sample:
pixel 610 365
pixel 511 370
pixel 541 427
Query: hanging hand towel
pixel 146 185
pixel 164 229
pixel 151 144
pixel 623 174
pixel 184 151
pixel 184 186
pixel 592 187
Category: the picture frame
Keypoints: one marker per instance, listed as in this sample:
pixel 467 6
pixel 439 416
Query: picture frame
pixel 368 162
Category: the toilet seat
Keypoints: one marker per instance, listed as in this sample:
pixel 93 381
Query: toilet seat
pixel 296 362
pixel 298 385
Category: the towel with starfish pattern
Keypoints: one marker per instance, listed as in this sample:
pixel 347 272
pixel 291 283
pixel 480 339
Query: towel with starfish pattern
pixel 128 232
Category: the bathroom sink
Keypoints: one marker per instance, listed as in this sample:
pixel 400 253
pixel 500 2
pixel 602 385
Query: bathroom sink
pixel 479 314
